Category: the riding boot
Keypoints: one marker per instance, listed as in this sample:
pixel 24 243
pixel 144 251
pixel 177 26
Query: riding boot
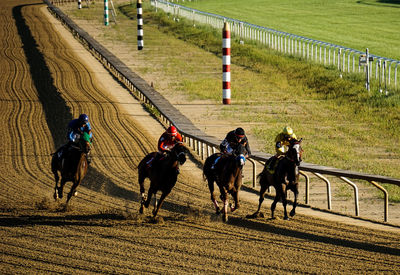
pixel 88 158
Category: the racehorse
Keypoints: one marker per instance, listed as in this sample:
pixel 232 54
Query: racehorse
pixel 163 175
pixel 284 177
pixel 72 167
pixel 227 174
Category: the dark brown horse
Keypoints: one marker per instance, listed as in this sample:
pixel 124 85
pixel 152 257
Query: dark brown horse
pixel 284 177
pixel 227 174
pixel 163 175
pixel 72 167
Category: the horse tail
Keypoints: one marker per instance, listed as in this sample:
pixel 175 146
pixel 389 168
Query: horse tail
pixel 54 164
pixel 207 166
pixel 263 177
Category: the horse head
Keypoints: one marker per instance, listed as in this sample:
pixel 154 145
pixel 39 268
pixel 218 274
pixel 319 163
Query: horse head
pixel 180 152
pixel 240 153
pixel 85 143
pixel 295 151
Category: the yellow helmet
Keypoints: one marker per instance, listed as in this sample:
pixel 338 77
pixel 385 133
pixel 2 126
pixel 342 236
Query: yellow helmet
pixel 288 131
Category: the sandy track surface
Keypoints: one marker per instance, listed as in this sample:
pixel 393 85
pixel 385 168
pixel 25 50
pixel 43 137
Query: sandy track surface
pixel 44 83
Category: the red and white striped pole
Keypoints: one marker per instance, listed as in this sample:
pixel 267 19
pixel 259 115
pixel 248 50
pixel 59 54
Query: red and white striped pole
pixel 226 64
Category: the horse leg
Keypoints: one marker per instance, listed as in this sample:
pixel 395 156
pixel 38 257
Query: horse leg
pixel 235 196
pixel 284 203
pixel 54 169
pixel 73 192
pixel 150 193
pixel 235 193
pixel 263 189
pixel 142 192
pixel 142 177
pixel 157 206
pixel 296 193
pixel 214 201
pixel 278 196
pixel 56 178
pixel 224 198
pixel 60 189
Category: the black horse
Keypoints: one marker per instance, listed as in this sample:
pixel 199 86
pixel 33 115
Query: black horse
pixel 72 166
pixel 284 177
pixel 163 175
pixel 227 174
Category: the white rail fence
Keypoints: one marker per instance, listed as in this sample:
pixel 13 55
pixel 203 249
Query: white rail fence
pixel 382 69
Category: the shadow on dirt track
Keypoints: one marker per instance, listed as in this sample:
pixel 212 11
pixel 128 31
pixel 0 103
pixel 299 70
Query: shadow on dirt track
pixel 76 220
pixel 262 226
pixel 56 110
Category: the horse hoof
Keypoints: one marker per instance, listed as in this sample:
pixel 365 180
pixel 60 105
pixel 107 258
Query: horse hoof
pixel 292 213
pixel 286 218
pixel 141 209
pixel 225 218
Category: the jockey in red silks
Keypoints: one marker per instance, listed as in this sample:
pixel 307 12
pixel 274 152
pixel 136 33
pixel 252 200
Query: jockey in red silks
pixel 168 139
pixel 166 142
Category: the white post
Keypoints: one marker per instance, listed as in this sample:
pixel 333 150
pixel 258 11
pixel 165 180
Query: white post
pixel 139 25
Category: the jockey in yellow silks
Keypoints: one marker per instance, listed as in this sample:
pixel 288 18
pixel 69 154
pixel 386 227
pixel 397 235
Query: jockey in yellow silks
pixel 282 141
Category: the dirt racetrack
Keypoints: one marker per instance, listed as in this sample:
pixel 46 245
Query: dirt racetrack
pixel 44 84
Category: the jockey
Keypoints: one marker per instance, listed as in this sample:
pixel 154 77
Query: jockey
pixel 168 139
pixel 231 143
pixel 166 142
pixel 76 128
pixel 282 141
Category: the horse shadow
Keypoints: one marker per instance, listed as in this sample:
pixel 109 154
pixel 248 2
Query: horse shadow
pixel 309 236
pixel 57 112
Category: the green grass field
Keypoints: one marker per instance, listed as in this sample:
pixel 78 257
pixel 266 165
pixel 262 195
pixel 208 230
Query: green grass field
pixel 342 125
pixel 357 24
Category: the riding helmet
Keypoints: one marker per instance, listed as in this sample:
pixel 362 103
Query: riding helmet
pixel 83 118
pixel 172 131
pixel 239 132
pixel 288 131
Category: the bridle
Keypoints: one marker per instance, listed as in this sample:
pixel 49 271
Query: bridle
pixel 296 158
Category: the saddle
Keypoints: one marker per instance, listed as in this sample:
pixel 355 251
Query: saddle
pixel 272 163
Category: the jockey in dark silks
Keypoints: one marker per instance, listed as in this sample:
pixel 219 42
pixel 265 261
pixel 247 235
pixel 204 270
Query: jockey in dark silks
pixel 76 128
pixel 231 143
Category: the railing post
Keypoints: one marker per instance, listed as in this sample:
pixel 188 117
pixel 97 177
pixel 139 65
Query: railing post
pixel 307 188
pixel 386 198
pixel 328 189
pixel 254 172
pixel 356 205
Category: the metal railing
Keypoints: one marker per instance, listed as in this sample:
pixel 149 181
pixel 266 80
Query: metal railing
pixel 201 143
pixel 382 69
